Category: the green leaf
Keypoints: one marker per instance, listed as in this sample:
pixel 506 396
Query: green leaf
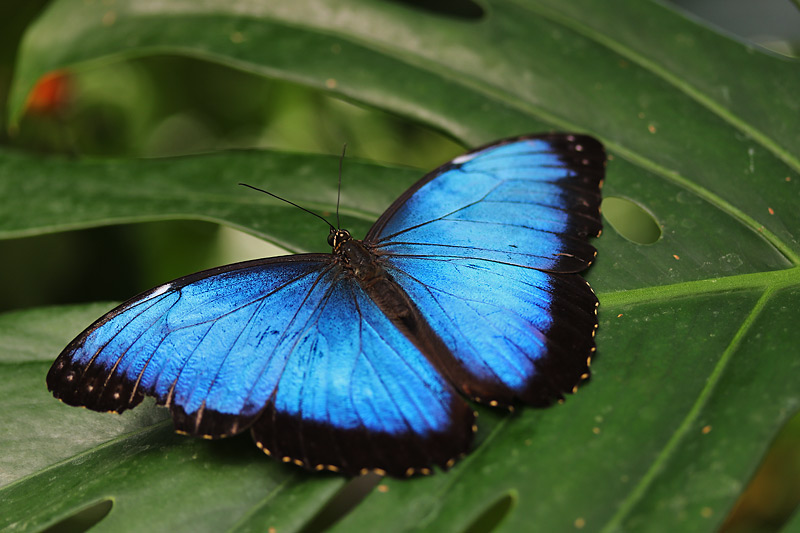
pixel 696 367
pixel 41 195
pixel 793 526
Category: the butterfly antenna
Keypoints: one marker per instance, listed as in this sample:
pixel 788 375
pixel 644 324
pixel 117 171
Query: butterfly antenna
pixel 339 194
pixel 290 203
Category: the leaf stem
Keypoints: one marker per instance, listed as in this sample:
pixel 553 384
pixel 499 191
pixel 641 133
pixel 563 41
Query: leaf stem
pixel 776 279
pixel 659 464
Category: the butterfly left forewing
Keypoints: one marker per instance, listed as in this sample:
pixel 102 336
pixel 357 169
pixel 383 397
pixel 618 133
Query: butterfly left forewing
pixel 531 201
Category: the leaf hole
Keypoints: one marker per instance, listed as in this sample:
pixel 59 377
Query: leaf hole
pixel 631 220
pixel 342 503
pixel 83 520
pixel 462 9
pixel 489 519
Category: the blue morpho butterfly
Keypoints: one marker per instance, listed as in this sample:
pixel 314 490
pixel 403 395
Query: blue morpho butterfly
pixel 358 360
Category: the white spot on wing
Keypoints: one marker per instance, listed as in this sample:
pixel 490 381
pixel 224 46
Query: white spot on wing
pixel 463 159
pixel 161 290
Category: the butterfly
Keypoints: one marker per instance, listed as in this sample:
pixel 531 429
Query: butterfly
pixel 360 360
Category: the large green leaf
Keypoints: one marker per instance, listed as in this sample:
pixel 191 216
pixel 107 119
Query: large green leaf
pixel 52 194
pixel 696 350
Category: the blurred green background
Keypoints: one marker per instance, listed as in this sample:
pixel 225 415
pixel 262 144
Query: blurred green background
pixel 168 106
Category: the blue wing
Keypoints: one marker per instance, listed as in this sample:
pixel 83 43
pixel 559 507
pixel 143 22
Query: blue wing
pixel 485 246
pixel 290 347
pixel 531 202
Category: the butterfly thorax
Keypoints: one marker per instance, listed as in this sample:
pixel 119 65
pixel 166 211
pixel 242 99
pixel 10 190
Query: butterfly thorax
pixel 355 257
pixel 363 265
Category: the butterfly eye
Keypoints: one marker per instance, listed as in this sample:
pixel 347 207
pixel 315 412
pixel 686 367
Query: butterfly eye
pixel 331 239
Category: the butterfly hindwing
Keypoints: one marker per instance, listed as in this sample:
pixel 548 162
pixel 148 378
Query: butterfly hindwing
pixel 485 245
pixel 291 347
pixel 357 394
pixel 515 333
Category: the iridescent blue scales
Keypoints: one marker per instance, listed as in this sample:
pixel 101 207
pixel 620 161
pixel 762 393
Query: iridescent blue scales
pixel 361 359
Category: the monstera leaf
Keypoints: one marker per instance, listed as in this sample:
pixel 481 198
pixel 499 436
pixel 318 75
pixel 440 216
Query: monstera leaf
pixel 696 368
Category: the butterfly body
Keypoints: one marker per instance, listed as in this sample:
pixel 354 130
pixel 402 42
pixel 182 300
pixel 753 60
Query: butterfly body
pixel 358 359
pixel 357 259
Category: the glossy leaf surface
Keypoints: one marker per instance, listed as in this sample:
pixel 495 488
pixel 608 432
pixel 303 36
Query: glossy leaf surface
pixel 697 345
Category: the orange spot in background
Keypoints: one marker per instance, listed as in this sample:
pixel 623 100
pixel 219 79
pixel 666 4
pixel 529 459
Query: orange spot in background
pixel 109 18
pixel 383 488
pixel 706 430
pixel 651 128
pixel 51 94
pixel 676 256
pixel 619 315
pixel 771 211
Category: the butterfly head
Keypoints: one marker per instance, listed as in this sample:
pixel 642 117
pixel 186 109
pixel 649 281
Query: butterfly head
pixel 337 237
